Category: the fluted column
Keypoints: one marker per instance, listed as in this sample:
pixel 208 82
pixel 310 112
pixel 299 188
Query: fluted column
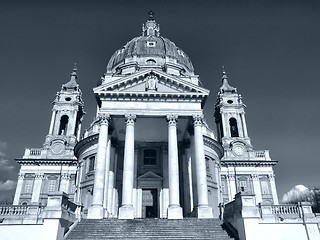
pixel 202 209
pixel 37 187
pixel 126 210
pixel 174 209
pixel 96 209
pixel 18 189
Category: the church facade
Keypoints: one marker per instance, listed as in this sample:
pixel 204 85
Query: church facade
pixel 149 152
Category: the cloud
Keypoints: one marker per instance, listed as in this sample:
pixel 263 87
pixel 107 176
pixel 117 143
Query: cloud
pixel 7 185
pixel 297 194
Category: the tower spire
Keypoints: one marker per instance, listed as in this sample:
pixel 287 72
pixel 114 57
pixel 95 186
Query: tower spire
pixel 72 84
pixel 225 85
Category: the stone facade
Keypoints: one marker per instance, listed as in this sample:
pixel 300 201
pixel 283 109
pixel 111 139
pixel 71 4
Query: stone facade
pixel 149 152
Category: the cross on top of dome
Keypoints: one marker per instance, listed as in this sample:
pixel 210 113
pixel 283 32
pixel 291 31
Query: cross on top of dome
pixel 151 28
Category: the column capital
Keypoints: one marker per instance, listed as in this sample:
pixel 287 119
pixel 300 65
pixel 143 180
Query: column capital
pixel 65 176
pixel 21 176
pixel 255 176
pixel 197 119
pixel 104 118
pixel 231 177
pixel 271 176
pixel 39 176
pixel 130 119
pixel 172 119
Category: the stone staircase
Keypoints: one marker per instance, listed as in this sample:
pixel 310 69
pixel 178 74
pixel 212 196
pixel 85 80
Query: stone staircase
pixel 190 228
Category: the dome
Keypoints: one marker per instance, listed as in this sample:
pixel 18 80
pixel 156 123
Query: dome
pixel 150 49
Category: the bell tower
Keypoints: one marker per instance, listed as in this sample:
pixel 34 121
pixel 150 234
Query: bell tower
pixel 243 169
pixel 230 115
pixel 67 114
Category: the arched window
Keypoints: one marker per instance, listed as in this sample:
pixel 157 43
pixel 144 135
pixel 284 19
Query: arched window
pixel 151 62
pixel 63 125
pixel 233 127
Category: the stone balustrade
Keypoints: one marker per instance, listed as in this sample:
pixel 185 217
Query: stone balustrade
pixel 21 214
pixel 259 155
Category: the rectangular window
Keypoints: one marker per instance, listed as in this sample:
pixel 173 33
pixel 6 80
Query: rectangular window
pixel 265 187
pixel 91 163
pixel 28 186
pixel 150 157
pixel 52 185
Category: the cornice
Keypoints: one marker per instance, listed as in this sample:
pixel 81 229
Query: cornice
pixel 84 142
pixel 244 163
pixel 214 145
pixel 38 162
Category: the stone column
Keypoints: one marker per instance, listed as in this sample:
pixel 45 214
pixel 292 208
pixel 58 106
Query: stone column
pixel 111 182
pixel 96 209
pixel 106 179
pixel 64 182
pixel 126 210
pixel 193 167
pixel 18 189
pixel 53 117
pixel 134 192
pixel 273 189
pixel 165 184
pixel 174 210
pixel 37 188
pixel 186 168
pixel 202 209
pixel 256 187
pixel 244 124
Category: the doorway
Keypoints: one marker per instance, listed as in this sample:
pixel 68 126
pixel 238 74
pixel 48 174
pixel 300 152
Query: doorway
pixel 150 203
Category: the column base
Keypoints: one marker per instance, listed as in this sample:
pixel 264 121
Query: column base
pixel 95 212
pixel 175 212
pixel 202 212
pixel 126 212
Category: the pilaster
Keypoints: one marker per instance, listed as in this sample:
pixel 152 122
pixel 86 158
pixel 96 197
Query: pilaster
pixel 18 189
pixel 37 187
pixel 256 187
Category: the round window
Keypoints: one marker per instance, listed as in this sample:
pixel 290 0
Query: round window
pixel 68 99
pixel 229 101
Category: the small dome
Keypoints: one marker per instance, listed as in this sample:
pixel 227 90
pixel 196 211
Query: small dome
pixel 150 49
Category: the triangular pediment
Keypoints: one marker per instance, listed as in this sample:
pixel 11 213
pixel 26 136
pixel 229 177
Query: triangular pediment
pixel 150 175
pixel 148 82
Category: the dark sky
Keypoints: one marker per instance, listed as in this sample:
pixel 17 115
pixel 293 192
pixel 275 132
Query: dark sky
pixel 270 49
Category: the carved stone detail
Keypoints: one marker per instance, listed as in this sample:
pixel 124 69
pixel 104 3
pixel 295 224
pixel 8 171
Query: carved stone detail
pixel 130 119
pixel 231 177
pixel 39 176
pixel 271 176
pixel 197 119
pixel 65 176
pixel 151 83
pixel 104 118
pixel 21 176
pixel 172 119
pixel 255 177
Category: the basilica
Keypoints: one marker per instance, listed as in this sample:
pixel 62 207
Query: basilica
pixel 149 152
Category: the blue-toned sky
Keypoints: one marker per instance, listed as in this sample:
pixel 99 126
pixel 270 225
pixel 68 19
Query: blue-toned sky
pixel 270 49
